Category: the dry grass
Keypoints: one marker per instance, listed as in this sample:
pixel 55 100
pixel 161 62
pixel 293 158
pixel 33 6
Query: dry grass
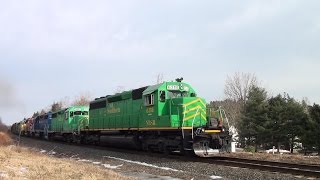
pixel 5 139
pixel 21 163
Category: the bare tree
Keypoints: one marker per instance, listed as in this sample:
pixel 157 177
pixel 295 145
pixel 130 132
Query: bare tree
pixel 42 112
pixel 56 106
pixel 232 108
pixel 65 101
pixel 82 100
pixel 236 90
pixel 237 87
pixel 159 78
pixel 305 104
pixel 35 114
pixel 119 89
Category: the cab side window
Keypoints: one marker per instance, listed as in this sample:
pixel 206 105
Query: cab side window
pixel 149 100
pixel 162 96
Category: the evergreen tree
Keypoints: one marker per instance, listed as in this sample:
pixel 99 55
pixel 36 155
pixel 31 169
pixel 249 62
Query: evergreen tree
pixel 308 137
pixel 287 117
pixel 254 119
pixel 315 126
pixel 277 123
pixel 295 117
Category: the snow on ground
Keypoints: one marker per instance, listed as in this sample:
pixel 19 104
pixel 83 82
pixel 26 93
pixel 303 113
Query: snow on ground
pixel 215 177
pixel 110 166
pixel 143 164
pixel 52 153
pixel 275 151
pixel 23 170
pixel 3 175
pixel 84 160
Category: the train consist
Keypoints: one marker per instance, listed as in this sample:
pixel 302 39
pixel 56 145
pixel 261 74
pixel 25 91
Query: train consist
pixel 165 117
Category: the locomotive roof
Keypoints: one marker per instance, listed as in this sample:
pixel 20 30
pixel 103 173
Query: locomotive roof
pixel 135 92
pixel 151 89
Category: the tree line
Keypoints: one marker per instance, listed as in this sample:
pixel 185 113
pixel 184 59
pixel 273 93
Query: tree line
pixel 81 100
pixel 264 121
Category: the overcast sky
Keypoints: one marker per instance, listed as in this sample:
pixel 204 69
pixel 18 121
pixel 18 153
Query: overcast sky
pixel 50 50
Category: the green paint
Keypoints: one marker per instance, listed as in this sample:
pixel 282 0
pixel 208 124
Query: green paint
pixel 71 119
pixel 174 105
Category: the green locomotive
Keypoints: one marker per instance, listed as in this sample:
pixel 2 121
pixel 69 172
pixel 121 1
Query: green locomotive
pixel 69 122
pixel 164 117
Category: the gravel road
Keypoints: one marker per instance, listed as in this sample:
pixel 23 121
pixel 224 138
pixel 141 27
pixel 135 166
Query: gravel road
pixel 146 166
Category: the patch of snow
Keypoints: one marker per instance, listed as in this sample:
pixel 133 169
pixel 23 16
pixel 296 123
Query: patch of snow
pixel 3 175
pixel 84 160
pixel 43 151
pixel 96 163
pixel 143 175
pixel 110 166
pixel 144 164
pixel 23 170
pixel 75 156
pixel 275 151
pixel 52 153
pixel 215 177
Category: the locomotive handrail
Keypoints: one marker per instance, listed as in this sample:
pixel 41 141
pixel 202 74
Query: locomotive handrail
pixel 184 116
pixel 225 115
pixel 193 121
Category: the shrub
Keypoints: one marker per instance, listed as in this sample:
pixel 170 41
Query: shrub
pixel 5 139
pixel 249 149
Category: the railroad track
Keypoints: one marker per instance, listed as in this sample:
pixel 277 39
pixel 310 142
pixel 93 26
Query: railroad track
pixel 307 170
pixel 281 167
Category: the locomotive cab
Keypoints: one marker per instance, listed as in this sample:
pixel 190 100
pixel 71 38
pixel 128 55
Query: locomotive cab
pixel 165 105
pixel 175 105
pixel 77 117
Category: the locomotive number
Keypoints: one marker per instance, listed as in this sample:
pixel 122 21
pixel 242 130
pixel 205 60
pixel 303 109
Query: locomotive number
pixel 150 122
pixel 149 110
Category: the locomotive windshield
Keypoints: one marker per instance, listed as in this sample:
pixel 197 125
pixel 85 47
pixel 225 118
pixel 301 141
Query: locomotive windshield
pixel 78 113
pixel 176 94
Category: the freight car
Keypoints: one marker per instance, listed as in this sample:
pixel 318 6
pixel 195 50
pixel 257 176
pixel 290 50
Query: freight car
pixel 164 117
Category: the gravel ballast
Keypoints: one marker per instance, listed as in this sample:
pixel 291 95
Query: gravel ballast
pixel 147 166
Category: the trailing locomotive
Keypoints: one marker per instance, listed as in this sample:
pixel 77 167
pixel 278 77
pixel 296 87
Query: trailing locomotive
pixel 165 117
pixel 68 123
